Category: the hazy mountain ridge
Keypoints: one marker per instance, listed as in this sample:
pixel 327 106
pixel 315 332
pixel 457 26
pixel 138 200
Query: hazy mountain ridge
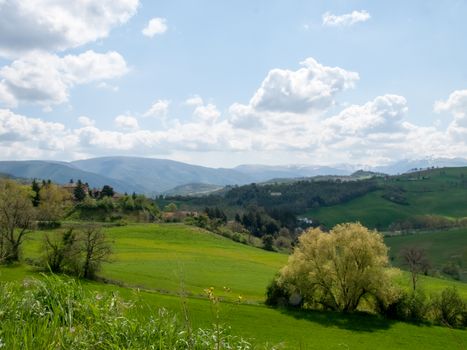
pixel 154 176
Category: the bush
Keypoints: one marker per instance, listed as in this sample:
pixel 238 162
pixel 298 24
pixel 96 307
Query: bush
pixel 411 306
pixel 449 308
pixel 277 295
pixel 452 269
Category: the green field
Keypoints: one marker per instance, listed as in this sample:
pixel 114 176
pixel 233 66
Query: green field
pixel 439 191
pixel 165 257
pixel 441 247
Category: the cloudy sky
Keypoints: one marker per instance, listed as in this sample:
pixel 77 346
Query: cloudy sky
pixel 222 83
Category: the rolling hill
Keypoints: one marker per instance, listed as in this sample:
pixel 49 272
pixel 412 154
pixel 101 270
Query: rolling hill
pixel 440 192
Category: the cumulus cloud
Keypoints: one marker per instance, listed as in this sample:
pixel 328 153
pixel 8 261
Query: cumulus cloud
pixel 126 122
pixel 46 79
pixel 159 109
pixel 457 105
pixel 312 87
pixel 155 26
pixel 347 19
pixel 86 121
pixel 382 115
pixel 56 25
pixel 194 101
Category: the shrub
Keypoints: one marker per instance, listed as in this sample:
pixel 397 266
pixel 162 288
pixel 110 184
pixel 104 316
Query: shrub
pixel 411 306
pixel 449 308
pixel 277 295
pixel 452 269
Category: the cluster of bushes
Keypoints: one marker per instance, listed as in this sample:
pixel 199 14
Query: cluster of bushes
pixel 427 222
pixel 110 209
pixel 396 195
pixel 345 270
pixel 57 313
pixel 77 252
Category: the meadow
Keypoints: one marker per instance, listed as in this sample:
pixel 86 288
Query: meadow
pixel 171 264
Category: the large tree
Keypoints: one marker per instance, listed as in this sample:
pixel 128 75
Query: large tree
pixel 16 218
pixel 336 270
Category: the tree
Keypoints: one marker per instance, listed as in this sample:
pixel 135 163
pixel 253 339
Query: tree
pixel 336 270
pixel 36 189
pixel 53 201
pixel 61 252
pixel 96 250
pixel 79 191
pixel 170 208
pixel 107 191
pixel 16 218
pixel 417 262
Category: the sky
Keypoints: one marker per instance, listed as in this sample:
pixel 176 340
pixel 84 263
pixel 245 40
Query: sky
pixel 223 83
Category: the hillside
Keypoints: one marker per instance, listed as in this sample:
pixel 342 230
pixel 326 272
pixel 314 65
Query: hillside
pixel 159 175
pixel 440 192
pixel 61 173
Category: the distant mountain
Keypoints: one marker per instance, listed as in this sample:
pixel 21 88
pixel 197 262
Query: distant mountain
pixel 160 175
pixel 266 172
pixel 155 176
pixel 59 172
pixel 406 165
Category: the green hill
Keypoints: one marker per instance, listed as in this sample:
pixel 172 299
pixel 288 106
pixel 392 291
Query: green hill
pixel 431 192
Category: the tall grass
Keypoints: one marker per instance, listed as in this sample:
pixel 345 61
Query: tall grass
pixel 57 313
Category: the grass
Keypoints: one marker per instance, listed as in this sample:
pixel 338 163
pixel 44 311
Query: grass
pixel 168 257
pixel 160 257
pixel 441 247
pixel 439 191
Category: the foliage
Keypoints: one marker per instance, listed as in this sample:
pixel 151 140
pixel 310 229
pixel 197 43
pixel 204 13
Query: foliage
pixel 337 270
pixel 16 219
pixel 53 202
pixel 449 308
pixel 79 192
pixel 76 252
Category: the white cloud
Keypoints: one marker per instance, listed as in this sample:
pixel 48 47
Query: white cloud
pixel 207 113
pixel 457 105
pixel 194 101
pixel 126 122
pixel 155 26
pixel 56 25
pixel 382 115
pixel 159 109
pixel 86 121
pixel 347 19
pixel 312 87
pixel 46 79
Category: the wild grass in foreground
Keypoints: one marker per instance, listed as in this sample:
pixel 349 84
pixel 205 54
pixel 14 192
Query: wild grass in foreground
pixel 57 313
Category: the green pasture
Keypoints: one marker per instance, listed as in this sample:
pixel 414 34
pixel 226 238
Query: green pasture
pixel 439 191
pixel 171 264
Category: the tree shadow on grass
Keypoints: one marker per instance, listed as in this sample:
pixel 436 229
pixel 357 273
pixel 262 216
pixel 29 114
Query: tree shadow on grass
pixel 356 322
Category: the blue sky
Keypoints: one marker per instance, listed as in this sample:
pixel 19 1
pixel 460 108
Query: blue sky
pixel 275 82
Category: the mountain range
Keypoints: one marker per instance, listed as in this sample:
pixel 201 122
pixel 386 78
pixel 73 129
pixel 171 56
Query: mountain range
pixel 155 176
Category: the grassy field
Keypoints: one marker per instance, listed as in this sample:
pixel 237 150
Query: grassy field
pixel 442 247
pixel 438 191
pixel 162 257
